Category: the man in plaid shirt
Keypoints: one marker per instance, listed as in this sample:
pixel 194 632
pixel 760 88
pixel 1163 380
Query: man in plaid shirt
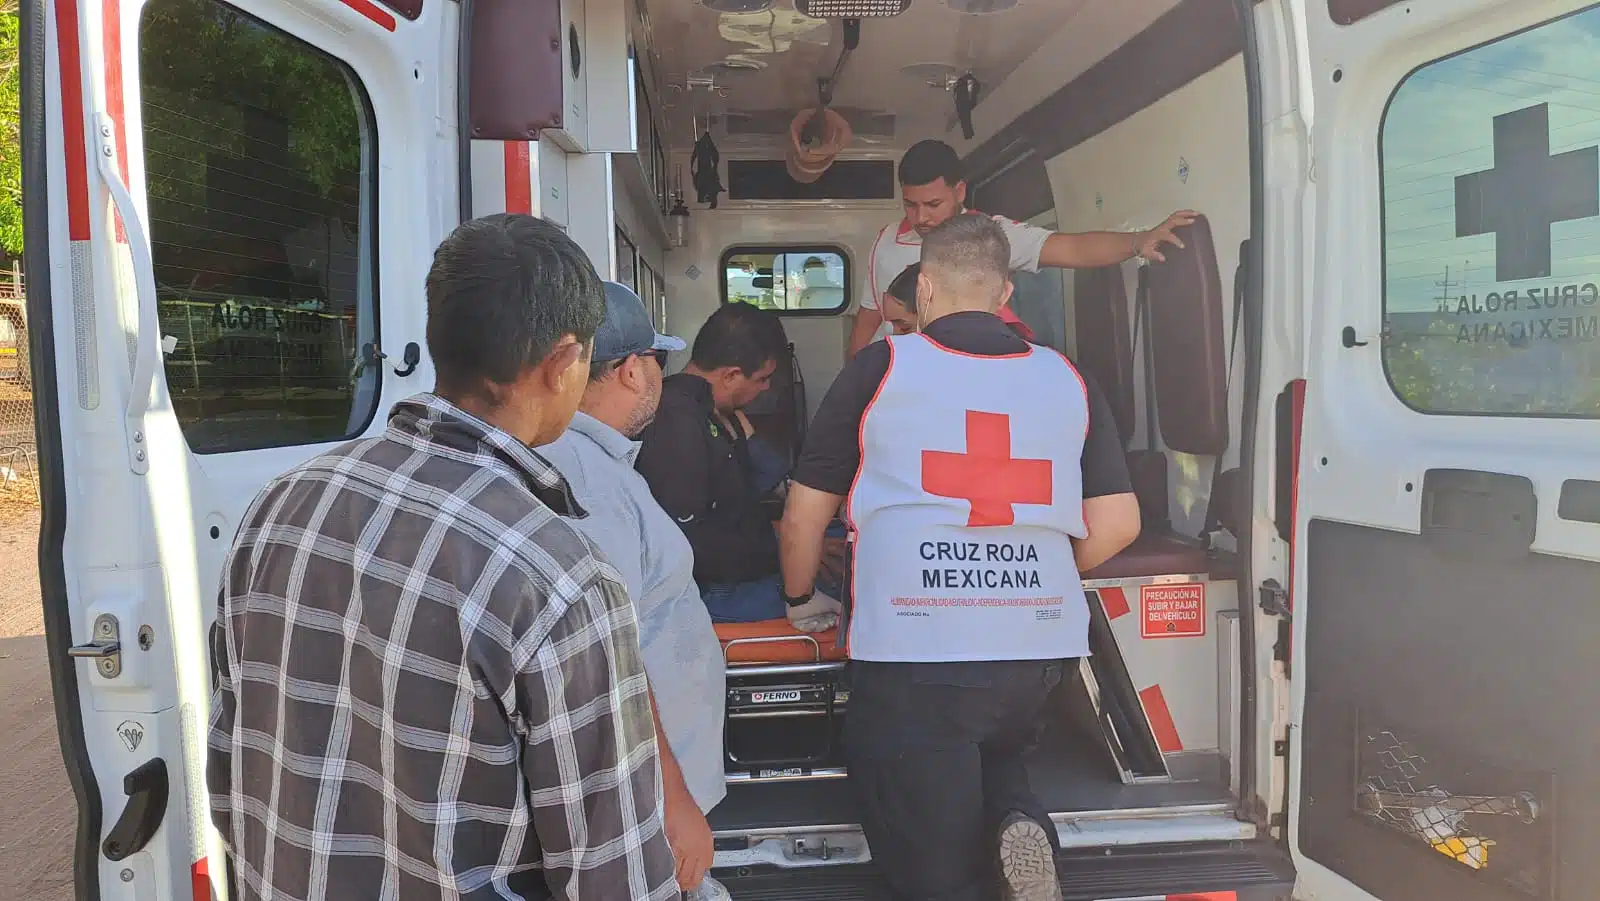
pixel 427 684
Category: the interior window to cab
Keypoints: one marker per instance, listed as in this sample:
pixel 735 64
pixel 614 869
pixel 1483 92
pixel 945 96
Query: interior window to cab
pixel 806 281
pixel 260 160
pixel 1491 174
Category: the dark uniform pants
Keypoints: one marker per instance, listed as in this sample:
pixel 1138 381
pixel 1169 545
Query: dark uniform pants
pixel 935 756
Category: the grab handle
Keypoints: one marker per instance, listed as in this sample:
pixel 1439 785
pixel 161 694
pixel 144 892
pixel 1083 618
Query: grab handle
pixel 147 336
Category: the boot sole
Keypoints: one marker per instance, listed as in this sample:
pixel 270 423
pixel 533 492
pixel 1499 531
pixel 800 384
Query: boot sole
pixel 1028 863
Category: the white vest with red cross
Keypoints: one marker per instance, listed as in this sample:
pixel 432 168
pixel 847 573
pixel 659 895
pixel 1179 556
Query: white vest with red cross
pixel 969 495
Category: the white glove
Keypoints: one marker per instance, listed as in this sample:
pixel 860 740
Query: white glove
pixel 819 614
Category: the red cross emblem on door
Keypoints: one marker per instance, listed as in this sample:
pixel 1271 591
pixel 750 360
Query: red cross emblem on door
pixel 986 475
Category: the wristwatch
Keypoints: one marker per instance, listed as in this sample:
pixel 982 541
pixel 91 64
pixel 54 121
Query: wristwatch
pixel 797 601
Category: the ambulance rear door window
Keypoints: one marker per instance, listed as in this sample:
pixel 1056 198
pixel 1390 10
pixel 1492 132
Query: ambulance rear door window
pixel 260 156
pixel 1491 227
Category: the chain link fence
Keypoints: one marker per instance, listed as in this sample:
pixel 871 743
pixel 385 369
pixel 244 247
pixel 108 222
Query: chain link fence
pixel 19 460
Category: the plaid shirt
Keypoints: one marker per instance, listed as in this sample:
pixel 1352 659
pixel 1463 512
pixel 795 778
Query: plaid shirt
pixel 428 685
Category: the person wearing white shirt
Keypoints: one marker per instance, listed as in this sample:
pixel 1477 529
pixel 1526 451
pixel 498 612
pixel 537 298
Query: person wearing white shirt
pixel 933 188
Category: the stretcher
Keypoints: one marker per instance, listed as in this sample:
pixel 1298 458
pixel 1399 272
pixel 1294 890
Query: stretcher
pixel 787 692
pixel 775 641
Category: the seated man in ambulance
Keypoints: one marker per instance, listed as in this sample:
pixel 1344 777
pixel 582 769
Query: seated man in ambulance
pixel 682 659
pixel 986 476
pixel 697 460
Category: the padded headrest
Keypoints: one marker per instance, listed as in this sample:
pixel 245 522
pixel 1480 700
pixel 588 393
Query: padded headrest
pixel 1186 343
pixel 1104 345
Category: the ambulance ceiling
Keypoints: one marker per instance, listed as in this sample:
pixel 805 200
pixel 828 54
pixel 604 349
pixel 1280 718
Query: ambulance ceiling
pixel 768 57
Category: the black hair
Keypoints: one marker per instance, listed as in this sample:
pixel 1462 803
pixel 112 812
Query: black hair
pixel 740 336
pixel 904 287
pixel 928 161
pixel 502 292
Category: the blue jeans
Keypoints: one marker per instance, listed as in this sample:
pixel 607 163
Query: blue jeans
pixel 762 599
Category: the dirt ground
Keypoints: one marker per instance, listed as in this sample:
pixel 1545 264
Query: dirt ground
pixel 40 814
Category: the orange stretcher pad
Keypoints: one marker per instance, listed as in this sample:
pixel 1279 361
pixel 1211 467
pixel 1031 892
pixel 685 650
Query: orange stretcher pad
pixel 775 641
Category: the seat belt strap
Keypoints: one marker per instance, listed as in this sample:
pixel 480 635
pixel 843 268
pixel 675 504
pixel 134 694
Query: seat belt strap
pixel 1141 315
pixel 1240 274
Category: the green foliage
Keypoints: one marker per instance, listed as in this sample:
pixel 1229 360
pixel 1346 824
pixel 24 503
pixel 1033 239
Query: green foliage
pixel 10 133
pixel 220 88
pixel 1440 371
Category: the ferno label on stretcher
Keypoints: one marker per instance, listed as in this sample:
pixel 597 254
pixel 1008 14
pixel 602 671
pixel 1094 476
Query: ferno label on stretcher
pixel 1172 611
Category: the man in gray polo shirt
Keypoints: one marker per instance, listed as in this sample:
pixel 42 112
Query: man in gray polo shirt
pixel 682 658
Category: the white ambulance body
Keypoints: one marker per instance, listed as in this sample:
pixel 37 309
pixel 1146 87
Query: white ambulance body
pixel 1352 656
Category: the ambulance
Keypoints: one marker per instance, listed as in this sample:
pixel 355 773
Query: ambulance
pixel 1352 657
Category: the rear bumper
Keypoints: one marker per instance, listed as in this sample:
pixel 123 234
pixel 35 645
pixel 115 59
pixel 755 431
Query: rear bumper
pixel 1234 872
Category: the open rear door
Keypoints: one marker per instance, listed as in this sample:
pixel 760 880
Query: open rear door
pixel 218 255
pixel 1447 570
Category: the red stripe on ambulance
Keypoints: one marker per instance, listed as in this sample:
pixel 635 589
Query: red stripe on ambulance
pixel 1160 716
pixel 519 178
pixel 1115 600
pixel 373 12
pixel 72 126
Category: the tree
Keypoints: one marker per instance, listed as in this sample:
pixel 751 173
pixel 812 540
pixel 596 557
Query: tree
pixel 10 132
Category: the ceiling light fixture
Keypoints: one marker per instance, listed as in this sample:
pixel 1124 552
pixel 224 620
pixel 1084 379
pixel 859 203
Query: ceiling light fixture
pixel 935 74
pixel 851 9
pixel 980 7
pixel 733 68
pixel 737 6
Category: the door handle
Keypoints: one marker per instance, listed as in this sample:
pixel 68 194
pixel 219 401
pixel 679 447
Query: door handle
pixel 105 649
pixel 146 788
pixel 147 345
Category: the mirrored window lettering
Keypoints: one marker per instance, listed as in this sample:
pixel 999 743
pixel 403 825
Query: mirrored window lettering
pixel 1491 227
pixel 260 154
pixel 790 280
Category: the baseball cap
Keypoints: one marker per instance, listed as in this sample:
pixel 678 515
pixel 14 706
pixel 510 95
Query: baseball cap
pixel 627 329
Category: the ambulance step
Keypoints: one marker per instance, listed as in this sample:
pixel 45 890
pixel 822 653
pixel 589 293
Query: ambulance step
pixel 1233 873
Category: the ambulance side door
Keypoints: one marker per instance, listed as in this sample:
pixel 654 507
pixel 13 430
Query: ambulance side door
pixel 1447 544
pixel 225 230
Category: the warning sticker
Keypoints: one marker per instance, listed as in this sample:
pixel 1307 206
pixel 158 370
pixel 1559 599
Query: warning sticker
pixel 1172 611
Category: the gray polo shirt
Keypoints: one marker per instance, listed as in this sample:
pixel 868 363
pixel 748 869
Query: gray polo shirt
pixel 681 655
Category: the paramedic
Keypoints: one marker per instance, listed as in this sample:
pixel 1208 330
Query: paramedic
pixel 933 189
pixel 681 656
pixel 988 475
pixel 900 305
pixel 431 563
pixel 697 462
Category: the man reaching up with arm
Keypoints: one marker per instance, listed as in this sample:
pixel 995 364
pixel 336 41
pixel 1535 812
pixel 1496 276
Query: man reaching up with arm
pixel 933 189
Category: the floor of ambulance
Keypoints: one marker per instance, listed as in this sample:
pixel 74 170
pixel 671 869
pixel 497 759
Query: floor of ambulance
pixel 1070 775
pixel 1067 773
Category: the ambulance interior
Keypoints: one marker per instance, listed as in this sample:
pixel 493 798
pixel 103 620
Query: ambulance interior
pixel 1089 115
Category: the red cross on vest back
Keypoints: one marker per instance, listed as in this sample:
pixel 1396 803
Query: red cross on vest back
pixel 986 475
